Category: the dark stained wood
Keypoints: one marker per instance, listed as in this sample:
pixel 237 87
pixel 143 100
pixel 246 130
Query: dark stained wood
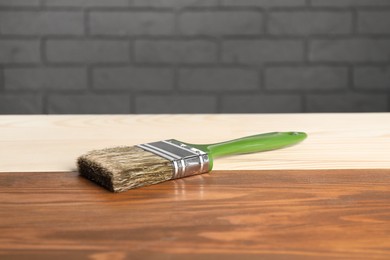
pixel 338 214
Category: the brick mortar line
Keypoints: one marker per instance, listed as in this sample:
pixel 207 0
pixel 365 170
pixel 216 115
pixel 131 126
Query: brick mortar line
pixel 193 8
pixel 223 65
pixel 311 10
pixel 157 9
pixel 328 63
pixel 48 65
pixel 360 36
pixel 14 37
pixel 378 64
pixel 40 92
pixel 20 8
pixel 106 8
pixel 175 94
pixel 196 65
pixel 105 92
pixel 299 92
pixel 386 64
pixel 69 92
pixel 169 93
pixel 9 10
pixel 348 63
pixel 182 92
pixel 341 92
pixel 370 91
pixel 214 40
pixel 269 94
pixel 110 91
pixel 173 38
pixel 306 64
pixel 178 38
pixel 257 37
pixel 115 66
pixel 297 8
pixel 19 93
pixel 301 64
pixel 47 91
pixel 86 92
pixel 179 93
pixel 226 37
pixel 232 92
pixel 66 63
pixel 132 92
pixel 329 8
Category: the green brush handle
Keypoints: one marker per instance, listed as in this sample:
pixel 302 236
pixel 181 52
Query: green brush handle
pixel 251 144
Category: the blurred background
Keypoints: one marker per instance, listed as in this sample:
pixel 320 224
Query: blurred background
pixel 194 56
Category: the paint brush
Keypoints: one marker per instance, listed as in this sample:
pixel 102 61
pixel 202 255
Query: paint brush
pixel 126 167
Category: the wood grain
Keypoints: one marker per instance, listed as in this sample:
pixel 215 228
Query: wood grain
pixel 313 214
pixel 336 141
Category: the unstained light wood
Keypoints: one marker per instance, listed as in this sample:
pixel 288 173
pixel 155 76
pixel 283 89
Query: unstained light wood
pixel 313 214
pixel 336 141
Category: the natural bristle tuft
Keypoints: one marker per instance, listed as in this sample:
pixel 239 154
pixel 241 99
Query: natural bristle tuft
pixel 123 168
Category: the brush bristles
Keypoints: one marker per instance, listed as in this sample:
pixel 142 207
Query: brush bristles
pixel 122 168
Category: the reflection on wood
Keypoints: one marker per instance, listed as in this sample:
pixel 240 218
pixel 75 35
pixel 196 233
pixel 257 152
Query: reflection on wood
pixel 225 215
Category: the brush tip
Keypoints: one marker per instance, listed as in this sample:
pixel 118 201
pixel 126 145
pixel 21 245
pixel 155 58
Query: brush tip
pixel 122 168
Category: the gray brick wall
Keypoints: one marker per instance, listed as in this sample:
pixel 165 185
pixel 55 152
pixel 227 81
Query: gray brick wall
pixel 194 56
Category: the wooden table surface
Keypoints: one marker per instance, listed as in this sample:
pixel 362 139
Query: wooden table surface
pixel 328 197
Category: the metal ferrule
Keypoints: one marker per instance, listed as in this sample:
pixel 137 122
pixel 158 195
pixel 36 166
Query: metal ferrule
pixel 185 159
